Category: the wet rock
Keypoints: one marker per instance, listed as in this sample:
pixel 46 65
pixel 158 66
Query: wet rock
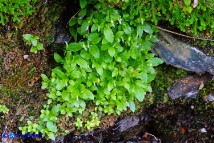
pixel 58 139
pixel 188 87
pixel 182 55
pixel 126 129
pixel 62 36
pixel 127 123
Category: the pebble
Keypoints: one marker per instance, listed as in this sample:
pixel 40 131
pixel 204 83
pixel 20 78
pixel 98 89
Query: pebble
pixel 203 130
pixel 26 56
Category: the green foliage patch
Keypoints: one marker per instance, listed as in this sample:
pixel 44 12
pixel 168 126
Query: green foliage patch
pixel 106 70
pixel 184 14
pixel 33 41
pixel 15 9
pixel 3 109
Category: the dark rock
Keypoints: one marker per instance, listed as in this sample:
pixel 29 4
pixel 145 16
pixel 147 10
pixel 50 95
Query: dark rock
pixel 127 123
pixel 188 87
pixel 182 55
pixel 62 35
pixel 124 129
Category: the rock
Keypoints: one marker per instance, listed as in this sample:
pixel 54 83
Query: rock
pixel 203 130
pixel 188 87
pixel 182 55
pixel 127 123
pixel 58 139
pixel 25 56
pixel 62 36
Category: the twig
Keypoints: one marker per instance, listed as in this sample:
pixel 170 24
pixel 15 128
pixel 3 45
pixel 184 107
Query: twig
pixel 73 17
pixel 183 34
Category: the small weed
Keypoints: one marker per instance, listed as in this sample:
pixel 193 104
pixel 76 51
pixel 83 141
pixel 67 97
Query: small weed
pixel 15 10
pixel 33 41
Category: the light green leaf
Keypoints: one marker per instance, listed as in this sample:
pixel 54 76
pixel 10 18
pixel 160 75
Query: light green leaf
pixel 40 46
pixel 94 27
pixel 82 103
pixel 109 35
pixel 110 86
pixel 94 38
pixel 111 51
pixel 76 74
pixel 115 72
pixel 33 50
pixel 187 2
pixel 57 58
pixel 44 85
pixel 74 47
pixel 60 84
pixel 132 106
pixel 59 73
pixel 82 13
pixel 51 126
pixel 44 77
pixel 73 33
pixel 127 29
pixel 34 42
pixel 156 61
pixel 94 51
pixel 73 90
pixel 151 77
pixel 55 110
pixel 84 27
pixel 188 9
pixel 139 93
pixel 99 69
pixel 65 95
pixel 119 47
pixel 73 21
pixel 27 37
pixel 51 135
pixel 147 29
pixel 105 46
pixel 83 3
pixel 85 55
pixel 140 30
pixel 82 63
pixel 87 95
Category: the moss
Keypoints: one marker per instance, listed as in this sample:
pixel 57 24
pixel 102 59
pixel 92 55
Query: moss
pixel 166 76
pixel 208 88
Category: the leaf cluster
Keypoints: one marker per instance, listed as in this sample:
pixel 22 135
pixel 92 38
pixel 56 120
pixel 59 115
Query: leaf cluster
pixel 3 109
pixel 180 13
pixel 33 41
pixel 14 10
pixel 105 70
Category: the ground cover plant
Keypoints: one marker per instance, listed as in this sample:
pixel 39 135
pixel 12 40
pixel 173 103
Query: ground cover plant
pixel 106 70
pixel 190 17
pixel 108 67
pixel 15 9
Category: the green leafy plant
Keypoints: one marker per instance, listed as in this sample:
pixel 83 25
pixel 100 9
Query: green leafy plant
pixel 32 41
pixel 106 70
pixel 14 10
pixel 3 109
pixel 180 13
